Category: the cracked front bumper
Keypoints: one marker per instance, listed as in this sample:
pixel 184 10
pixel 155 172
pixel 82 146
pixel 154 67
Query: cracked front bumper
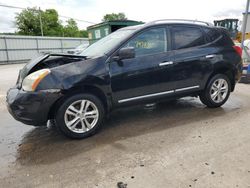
pixel 31 108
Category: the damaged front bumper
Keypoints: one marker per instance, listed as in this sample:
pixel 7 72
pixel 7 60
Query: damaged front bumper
pixel 31 108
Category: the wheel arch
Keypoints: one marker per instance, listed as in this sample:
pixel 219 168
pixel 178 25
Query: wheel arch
pixel 226 70
pixel 94 90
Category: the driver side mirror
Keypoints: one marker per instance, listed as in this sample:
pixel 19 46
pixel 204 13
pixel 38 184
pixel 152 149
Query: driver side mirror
pixel 125 53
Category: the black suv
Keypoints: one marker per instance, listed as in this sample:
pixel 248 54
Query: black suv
pixel 160 60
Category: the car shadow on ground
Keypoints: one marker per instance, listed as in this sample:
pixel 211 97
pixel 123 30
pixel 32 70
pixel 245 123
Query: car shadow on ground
pixel 46 145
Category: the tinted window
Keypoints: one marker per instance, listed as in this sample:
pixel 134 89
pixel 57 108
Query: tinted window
pixel 226 39
pixel 185 37
pixel 212 34
pixel 221 34
pixel 149 42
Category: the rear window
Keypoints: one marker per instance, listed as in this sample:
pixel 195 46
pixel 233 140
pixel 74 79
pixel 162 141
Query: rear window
pixel 186 37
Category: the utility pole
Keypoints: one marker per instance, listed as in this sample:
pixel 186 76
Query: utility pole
pixel 244 25
pixel 40 19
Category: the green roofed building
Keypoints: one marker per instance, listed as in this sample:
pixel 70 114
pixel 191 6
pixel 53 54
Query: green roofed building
pixel 98 31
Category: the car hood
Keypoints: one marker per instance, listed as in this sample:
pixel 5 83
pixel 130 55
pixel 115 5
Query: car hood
pixel 73 71
pixel 32 64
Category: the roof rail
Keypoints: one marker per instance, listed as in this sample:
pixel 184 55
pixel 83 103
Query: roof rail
pixel 180 21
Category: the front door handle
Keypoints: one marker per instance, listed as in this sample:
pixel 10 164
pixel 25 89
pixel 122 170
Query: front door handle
pixel 165 63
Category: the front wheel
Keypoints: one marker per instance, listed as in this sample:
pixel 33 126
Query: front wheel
pixel 80 115
pixel 217 91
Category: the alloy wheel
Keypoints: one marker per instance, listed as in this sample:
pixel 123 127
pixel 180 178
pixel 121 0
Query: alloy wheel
pixel 81 116
pixel 219 90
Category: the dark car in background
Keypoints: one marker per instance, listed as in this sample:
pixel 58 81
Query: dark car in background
pixel 157 61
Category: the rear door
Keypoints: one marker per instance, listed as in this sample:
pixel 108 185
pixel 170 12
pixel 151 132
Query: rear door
pixel 191 64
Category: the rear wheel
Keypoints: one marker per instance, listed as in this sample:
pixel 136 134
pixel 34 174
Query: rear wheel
pixel 80 115
pixel 217 91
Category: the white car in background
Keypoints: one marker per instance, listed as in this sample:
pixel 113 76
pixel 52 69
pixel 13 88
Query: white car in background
pixel 78 49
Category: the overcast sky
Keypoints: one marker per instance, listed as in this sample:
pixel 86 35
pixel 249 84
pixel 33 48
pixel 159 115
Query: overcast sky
pixel 93 10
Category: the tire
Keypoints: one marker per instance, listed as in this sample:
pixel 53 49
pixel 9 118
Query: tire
pixel 80 116
pixel 216 92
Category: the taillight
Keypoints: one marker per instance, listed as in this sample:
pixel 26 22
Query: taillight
pixel 238 50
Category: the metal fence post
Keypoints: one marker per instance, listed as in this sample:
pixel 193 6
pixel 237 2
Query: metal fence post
pixel 244 25
pixel 6 49
pixel 61 45
pixel 37 47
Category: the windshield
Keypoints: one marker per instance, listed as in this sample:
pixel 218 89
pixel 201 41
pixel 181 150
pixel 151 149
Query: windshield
pixel 107 43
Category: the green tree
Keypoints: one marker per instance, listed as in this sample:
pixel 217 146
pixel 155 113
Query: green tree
pixel 27 22
pixel 71 29
pixel 51 24
pixel 114 16
pixel 83 33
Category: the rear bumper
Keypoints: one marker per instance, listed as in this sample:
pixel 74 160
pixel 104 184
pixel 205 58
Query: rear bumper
pixel 31 108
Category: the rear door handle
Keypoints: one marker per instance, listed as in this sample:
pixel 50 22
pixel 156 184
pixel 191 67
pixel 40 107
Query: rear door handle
pixel 210 56
pixel 165 63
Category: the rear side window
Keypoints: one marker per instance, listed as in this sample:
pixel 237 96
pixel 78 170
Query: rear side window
pixel 212 34
pixel 186 37
pixel 226 39
pixel 219 33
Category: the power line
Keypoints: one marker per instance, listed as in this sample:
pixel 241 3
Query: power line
pixel 9 6
pixel 76 19
pixel 15 7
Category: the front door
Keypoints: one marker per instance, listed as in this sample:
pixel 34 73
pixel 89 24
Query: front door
pixel 140 78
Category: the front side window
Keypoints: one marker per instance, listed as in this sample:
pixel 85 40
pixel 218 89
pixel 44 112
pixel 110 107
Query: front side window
pixel 186 37
pixel 149 42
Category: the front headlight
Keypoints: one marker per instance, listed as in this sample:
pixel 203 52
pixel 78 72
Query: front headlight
pixel 31 82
